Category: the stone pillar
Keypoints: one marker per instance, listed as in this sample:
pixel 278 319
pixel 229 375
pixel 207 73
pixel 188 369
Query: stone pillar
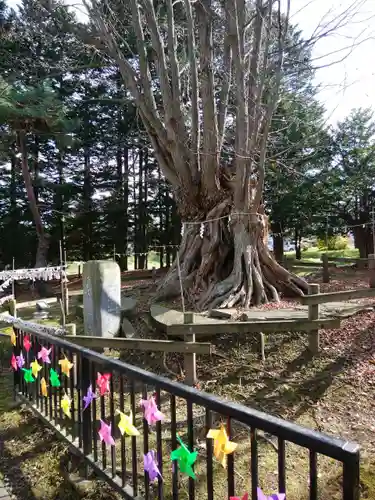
pixel 101 298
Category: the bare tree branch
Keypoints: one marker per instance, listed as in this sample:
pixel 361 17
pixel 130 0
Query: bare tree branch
pixel 195 123
pixel 210 154
pixel 227 76
pixel 282 30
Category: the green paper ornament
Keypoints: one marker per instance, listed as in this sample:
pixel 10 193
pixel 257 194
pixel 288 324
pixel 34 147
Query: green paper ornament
pixel 28 375
pixel 185 459
pixel 54 378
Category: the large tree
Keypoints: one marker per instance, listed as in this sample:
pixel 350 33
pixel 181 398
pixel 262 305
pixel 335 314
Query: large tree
pixel 31 110
pixel 188 91
pixel 351 176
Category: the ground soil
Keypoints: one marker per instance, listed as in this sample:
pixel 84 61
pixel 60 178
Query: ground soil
pixel 333 393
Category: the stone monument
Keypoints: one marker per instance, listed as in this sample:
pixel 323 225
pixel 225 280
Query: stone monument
pixel 101 298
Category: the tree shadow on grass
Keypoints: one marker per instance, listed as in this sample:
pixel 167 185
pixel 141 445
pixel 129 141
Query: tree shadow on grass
pixel 299 385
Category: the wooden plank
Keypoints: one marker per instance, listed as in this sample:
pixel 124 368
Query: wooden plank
pixel 323 298
pixel 314 289
pixel 253 327
pixel 32 303
pixel 347 259
pixel 128 305
pixel 141 344
pixel 301 263
pixel 127 330
pixel 163 317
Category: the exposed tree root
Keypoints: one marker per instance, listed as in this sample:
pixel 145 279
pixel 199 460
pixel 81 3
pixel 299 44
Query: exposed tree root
pixel 229 265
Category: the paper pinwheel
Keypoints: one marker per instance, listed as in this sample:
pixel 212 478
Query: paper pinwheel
pixel 185 459
pixel 44 354
pixel 126 424
pixel 20 360
pixel 43 387
pixel 150 465
pixel 65 405
pixel 13 338
pixel 27 343
pixel 54 378
pixel 105 433
pixel 89 397
pixel 102 382
pixel 151 412
pixel 245 497
pixel 66 366
pixel 28 375
pixel 275 496
pixel 13 363
pixel 222 445
pixel 35 368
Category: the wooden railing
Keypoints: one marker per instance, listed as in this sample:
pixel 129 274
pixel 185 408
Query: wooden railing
pixel 327 262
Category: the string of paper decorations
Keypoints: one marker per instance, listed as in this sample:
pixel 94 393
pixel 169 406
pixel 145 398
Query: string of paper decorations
pixel 20 323
pixel 280 233
pixel 40 273
pixel 5 299
pixel 182 456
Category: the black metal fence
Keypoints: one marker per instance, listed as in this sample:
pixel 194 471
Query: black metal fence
pixel 188 415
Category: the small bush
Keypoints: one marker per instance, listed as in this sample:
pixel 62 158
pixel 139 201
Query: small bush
pixel 334 243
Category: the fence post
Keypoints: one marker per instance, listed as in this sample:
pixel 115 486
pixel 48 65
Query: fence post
pixel 87 423
pixel 325 268
pixel 360 263
pixel 66 299
pixel 351 475
pixel 313 312
pixel 12 307
pixel 371 270
pixel 190 364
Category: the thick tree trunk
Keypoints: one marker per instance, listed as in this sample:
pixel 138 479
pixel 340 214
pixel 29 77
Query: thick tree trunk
pixel 14 218
pixel 297 243
pixel 363 240
pixel 43 237
pixel 87 207
pixel 278 242
pixel 229 264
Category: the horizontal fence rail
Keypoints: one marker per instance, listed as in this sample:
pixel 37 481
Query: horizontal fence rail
pixel 69 371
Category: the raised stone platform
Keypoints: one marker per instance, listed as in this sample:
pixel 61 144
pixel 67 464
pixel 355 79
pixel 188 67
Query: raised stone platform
pixel 162 317
pixel 329 310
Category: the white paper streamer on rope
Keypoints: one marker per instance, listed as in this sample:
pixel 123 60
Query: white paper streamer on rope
pixel 5 299
pixel 34 327
pixel 41 273
pixel 5 285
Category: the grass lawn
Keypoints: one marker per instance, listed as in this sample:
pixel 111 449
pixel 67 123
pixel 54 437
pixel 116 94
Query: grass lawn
pixel 152 261
pixel 314 254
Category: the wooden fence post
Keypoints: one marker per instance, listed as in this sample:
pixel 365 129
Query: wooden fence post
pixel 190 364
pixel 325 268
pixel 371 270
pixel 313 314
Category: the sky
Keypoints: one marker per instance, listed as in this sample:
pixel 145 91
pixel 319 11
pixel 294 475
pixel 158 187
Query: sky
pixel 347 78
pixel 349 82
